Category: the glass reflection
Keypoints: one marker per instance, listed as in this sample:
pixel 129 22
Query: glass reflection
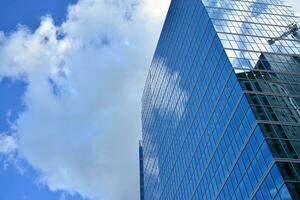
pixel 272 89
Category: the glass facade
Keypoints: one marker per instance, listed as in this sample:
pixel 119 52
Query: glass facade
pixel 141 163
pixel 272 89
pixel 220 109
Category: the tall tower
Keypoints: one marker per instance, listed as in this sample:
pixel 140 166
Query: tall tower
pixel 221 104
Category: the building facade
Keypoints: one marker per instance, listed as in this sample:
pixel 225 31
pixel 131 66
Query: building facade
pixel 141 164
pixel 221 104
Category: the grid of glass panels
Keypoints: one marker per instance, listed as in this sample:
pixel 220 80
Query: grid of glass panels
pixel 268 72
pixel 141 163
pixel 272 88
pixel 201 139
pixel 245 26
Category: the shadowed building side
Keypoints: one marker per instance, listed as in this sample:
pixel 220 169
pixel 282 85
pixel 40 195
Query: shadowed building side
pixel 274 94
pixel 141 171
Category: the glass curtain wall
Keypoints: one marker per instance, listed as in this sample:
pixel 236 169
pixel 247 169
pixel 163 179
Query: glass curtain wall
pixel 204 134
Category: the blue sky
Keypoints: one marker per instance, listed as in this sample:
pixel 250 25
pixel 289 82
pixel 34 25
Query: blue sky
pixel 70 109
pixel 60 100
pixel 29 12
pixel 21 184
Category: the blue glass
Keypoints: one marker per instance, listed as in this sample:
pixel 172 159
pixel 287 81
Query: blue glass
pixel 220 107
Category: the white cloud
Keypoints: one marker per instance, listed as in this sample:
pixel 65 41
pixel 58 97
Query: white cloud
pixel 295 4
pixel 85 79
pixel 8 144
pixel 172 81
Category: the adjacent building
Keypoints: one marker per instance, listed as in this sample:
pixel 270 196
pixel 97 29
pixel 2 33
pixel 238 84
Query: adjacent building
pixel 221 104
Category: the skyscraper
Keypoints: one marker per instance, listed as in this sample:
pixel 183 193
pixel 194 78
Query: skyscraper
pixel 221 104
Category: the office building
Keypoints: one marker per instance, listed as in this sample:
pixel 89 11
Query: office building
pixel 221 104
